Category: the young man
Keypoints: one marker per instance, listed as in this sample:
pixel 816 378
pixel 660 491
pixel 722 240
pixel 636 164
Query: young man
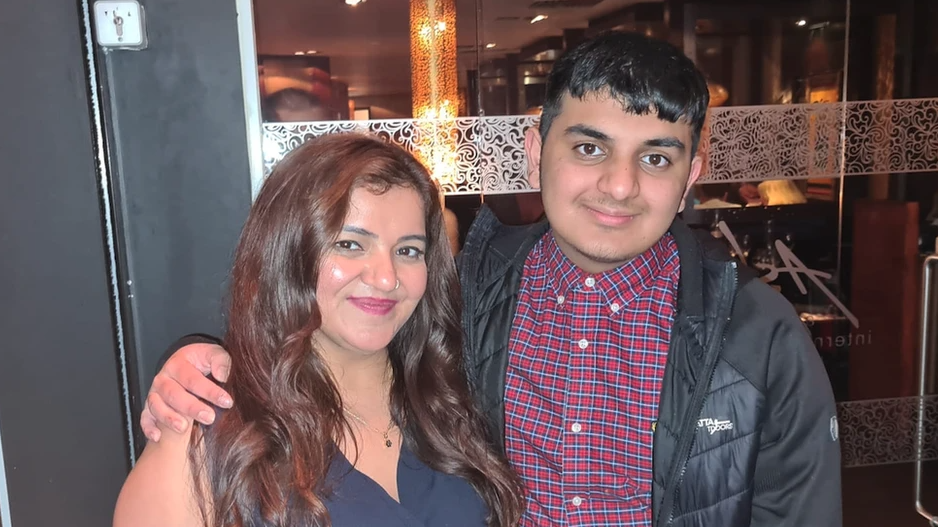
pixel 633 373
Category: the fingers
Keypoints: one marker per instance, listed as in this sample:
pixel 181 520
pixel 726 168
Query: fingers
pixel 148 424
pixel 220 364
pixel 163 415
pixel 188 367
pixel 171 403
pixel 195 385
pixel 179 389
pixel 205 357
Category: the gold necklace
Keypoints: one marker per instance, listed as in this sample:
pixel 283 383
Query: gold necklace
pixel 387 440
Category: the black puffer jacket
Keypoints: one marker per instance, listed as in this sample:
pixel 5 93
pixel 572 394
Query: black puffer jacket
pixel 747 430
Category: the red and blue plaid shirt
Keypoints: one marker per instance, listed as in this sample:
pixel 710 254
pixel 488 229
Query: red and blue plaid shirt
pixel 586 358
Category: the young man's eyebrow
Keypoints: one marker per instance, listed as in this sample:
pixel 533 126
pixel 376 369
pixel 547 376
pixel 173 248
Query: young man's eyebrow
pixel 588 131
pixel 666 142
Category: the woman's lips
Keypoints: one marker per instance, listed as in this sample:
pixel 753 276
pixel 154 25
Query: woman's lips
pixel 373 306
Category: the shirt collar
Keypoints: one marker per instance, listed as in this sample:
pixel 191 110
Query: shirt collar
pixel 621 284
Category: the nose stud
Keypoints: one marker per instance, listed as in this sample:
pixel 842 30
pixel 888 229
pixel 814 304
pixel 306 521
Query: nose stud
pixel 397 285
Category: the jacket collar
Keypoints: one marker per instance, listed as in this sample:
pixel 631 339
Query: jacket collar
pixel 509 247
pixel 690 286
pixel 503 246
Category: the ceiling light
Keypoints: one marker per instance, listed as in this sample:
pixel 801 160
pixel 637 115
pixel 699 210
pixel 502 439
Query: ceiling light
pixel 538 18
pixel 490 45
pixel 353 2
pixel 299 53
pixel 312 52
pixel 801 23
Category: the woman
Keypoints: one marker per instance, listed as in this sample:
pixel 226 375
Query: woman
pixel 352 408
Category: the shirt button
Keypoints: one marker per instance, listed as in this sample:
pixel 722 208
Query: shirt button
pixel 590 282
pixel 577 501
pixel 560 299
pixel 576 427
pixel 583 344
pixel 615 307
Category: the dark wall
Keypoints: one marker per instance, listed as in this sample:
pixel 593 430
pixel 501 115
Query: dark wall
pixel 60 399
pixel 181 162
pixel 177 152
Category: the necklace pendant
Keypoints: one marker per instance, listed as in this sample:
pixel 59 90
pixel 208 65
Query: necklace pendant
pixel 387 442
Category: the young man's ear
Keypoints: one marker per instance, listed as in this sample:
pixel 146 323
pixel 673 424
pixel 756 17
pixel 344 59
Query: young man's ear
pixel 532 150
pixel 695 167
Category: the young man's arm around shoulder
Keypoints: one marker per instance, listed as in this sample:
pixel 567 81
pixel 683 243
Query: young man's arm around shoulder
pixel 797 479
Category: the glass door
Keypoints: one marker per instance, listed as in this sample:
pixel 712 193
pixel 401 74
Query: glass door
pixel 821 174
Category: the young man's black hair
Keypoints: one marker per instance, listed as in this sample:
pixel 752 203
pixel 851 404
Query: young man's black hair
pixel 644 74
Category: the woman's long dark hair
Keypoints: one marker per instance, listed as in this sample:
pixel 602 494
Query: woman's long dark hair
pixel 266 458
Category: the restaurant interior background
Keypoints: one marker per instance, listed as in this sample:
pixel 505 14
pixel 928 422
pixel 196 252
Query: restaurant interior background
pixel 821 149
pixel 822 171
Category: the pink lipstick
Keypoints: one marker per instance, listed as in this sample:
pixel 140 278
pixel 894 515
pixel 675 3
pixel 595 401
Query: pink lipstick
pixel 373 306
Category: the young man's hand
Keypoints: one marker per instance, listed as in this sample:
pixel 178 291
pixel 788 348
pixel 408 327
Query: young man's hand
pixel 179 389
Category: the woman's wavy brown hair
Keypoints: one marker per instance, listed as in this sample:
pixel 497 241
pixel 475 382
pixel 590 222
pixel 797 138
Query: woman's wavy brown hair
pixel 265 459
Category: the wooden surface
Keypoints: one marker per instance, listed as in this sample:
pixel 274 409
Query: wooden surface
pixel 885 296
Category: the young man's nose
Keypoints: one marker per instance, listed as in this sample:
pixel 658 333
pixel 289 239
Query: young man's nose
pixel 619 181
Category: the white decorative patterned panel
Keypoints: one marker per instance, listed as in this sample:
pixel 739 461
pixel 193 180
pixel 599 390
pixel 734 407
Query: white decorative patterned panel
pixel 892 136
pixel 772 142
pixel 751 143
pixel 489 150
pixel 799 141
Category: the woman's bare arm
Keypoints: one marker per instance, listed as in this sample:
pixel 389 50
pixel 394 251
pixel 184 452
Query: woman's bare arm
pixel 160 490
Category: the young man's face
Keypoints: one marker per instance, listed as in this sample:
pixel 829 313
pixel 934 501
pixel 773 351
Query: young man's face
pixel 611 181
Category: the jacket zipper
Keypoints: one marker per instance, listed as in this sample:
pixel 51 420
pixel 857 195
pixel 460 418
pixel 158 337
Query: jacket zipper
pixel 700 396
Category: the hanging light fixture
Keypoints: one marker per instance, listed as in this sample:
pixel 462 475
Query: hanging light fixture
pixel 433 58
pixel 434 84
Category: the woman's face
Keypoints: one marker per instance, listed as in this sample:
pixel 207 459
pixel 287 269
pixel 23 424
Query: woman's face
pixel 375 274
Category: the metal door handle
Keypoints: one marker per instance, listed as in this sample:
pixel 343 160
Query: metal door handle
pixel 927 285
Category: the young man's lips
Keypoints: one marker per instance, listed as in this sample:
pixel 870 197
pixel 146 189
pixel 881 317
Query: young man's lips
pixel 373 306
pixel 611 218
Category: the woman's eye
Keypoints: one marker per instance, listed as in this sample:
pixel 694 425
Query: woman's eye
pixel 656 160
pixel 410 252
pixel 347 245
pixel 588 150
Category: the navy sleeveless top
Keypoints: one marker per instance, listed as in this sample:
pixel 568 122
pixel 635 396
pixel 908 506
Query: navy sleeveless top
pixel 427 498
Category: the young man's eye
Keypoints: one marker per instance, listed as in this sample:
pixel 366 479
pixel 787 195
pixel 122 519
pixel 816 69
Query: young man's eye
pixel 588 150
pixel 656 161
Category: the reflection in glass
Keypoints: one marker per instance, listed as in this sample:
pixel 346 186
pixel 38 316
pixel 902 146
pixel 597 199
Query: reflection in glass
pixel 751 57
pixel 300 88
